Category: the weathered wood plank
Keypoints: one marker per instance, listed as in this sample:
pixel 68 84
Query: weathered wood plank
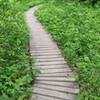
pixel 59 79
pixel 59 74
pixel 63 70
pixel 54 66
pixel 45 51
pixel 43 97
pixel 42 49
pixel 55 83
pixel 56 94
pixel 50 63
pixel 58 88
pixel 50 60
pixel 46 54
pixel 47 57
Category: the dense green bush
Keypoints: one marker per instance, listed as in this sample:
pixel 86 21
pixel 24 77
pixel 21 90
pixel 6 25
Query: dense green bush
pixel 16 71
pixel 92 2
pixel 76 28
pixel 26 4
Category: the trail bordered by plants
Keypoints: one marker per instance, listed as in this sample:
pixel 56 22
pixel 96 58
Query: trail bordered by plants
pixel 56 81
pixel 76 28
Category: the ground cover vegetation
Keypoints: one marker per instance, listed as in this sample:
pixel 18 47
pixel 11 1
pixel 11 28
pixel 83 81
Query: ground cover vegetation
pixel 16 71
pixel 91 2
pixel 76 28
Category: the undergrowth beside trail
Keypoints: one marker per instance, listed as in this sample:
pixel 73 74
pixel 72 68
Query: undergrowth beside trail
pixel 16 70
pixel 76 28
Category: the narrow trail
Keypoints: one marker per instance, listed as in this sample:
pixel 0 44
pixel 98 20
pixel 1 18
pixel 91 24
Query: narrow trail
pixel 56 81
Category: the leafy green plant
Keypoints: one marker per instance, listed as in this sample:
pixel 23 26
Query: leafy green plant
pixel 92 2
pixel 76 28
pixel 16 70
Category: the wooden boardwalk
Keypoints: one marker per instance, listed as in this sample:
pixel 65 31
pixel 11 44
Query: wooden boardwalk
pixel 56 81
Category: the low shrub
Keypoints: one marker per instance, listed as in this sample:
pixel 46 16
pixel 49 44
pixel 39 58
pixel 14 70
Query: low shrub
pixel 16 71
pixel 76 28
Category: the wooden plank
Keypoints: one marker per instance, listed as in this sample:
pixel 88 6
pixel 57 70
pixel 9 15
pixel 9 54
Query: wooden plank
pixel 42 49
pixel 59 74
pixel 63 70
pixel 45 51
pixel 50 60
pixel 53 66
pixel 43 97
pixel 47 57
pixel 58 88
pixel 46 54
pixel 55 83
pixel 56 94
pixel 59 79
pixel 44 45
pixel 50 63
pixel 49 47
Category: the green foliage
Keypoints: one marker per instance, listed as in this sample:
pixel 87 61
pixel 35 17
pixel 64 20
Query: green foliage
pixel 25 4
pixel 16 71
pixel 76 28
pixel 92 2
